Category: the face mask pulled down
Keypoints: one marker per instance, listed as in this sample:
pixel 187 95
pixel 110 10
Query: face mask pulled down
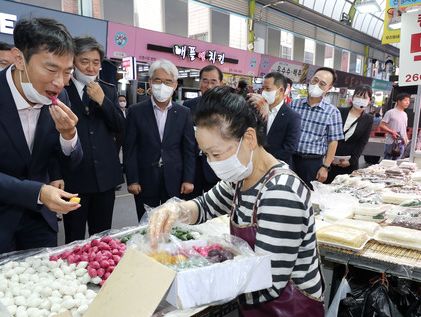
pixel 231 169
pixel 31 93
pixel 82 78
pixel 315 91
pixel 162 92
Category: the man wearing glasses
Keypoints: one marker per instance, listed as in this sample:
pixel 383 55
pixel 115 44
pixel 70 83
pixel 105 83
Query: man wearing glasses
pixel 159 147
pixel 321 128
pixel 210 76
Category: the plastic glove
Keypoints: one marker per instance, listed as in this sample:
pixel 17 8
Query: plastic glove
pixel 163 219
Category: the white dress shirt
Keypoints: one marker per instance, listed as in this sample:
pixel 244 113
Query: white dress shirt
pixel 272 115
pixel 161 117
pixel 29 116
pixel 79 87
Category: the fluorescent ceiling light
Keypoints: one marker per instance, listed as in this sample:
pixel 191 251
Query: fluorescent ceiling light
pixel 367 6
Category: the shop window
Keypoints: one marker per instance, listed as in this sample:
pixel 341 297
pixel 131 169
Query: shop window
pixel 309 51
pixel 199 21
pixel 329 56
pixel 287 42
pixel 260 38
pixel 149 14
pixel 345 61
pixel 238 31
pixel 359 64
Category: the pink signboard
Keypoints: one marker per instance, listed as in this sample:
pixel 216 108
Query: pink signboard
pixel 296 71
pixel 148 46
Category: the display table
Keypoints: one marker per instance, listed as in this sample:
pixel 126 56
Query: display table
pixel 378 257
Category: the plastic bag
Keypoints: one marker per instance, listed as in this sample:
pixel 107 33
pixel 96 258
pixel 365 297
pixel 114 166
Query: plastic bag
pixel 396 147
pixel 343 289
pixel 352 305
pixel 377 303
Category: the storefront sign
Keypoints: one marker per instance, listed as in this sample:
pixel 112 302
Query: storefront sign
pixel 410 50
pixel 296 71
pixel 7 22
pixel 382 85
pixel 191 52
pixel 390 35
pixel 129 67
pixel 148 46
pixel 11 12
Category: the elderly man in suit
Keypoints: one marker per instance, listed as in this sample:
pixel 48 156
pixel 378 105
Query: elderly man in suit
pixel 283 124
pixel 32 134
pixel 96 104
pixel 159 155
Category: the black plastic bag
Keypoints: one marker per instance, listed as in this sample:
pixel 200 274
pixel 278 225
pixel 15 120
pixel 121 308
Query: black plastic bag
pixel 414 310
pixel 377 303
pixel 402 295
pixel 352 305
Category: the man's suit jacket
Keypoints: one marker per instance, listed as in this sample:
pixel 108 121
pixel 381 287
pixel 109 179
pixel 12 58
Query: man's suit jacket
pixel 192 104
pixel 143 149
pixel 354 146
pixel 284 134
pixel 22 173
pixel 97 127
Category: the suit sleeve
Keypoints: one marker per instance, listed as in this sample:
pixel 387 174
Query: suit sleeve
pixel 360 145
pixel 189 145
pixel 130 149
pixel 290 142
pixel 112 114
pixel 16 192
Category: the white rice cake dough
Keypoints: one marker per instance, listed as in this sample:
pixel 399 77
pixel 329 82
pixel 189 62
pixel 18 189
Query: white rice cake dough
pixel 369 227
pixel 341 235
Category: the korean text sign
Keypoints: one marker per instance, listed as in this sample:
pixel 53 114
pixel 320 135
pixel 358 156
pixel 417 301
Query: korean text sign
pixel 410 50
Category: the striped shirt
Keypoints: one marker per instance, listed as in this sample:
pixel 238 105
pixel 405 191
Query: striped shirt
pixel 320 125
pixel 285 230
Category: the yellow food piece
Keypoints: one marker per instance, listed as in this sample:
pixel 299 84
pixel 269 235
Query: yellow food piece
pixel 75 200
pixel 342 235
pixel 166 258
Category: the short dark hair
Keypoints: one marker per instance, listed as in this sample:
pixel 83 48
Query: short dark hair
pixel 402 96
pixel 362 90
pixel 330 70
pixel 121 95
pixel 220 108
pixel 5 47
pixel 210 68
pixel 289 81
pixel 278 79
pixel 85 44
pixel 36 34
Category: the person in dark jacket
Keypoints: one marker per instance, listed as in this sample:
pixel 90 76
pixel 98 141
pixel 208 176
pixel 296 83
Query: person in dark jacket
pixel 96 104
pixel 158 152
pixel 357 126
pixel 210 76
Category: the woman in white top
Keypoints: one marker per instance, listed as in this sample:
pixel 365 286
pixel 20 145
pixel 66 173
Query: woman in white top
pixel 357 126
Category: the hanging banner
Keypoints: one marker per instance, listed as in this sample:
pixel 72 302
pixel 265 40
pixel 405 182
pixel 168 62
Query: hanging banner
pixel 390 35
pixel 410 50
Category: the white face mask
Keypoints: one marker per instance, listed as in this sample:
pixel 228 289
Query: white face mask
pixel 360 103
pixel 82 78
pixel 231 169
pixel 1 68
pixel 315 91
pixel 269 96
pixel 31 93
pixel 162 92
pixel 122 104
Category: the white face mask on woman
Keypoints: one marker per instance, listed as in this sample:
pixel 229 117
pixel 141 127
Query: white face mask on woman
pixel 231 169
pixel 360 103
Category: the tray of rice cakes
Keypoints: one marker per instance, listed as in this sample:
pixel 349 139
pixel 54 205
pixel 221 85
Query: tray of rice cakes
pixel 343 237
pixel 400 237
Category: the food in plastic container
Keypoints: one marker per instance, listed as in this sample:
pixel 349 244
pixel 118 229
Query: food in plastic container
pixel 404 237
pixel 369 227
pixel 342 236
pixel 390 197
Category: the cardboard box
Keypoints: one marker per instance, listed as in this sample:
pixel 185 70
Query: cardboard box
pixel 221 281
pixel 139 283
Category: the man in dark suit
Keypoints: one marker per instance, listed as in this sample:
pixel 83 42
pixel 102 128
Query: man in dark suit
pixel 100 119
pixel 283 124
pixel 32 134
pixel 210 76
pixel 159 146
